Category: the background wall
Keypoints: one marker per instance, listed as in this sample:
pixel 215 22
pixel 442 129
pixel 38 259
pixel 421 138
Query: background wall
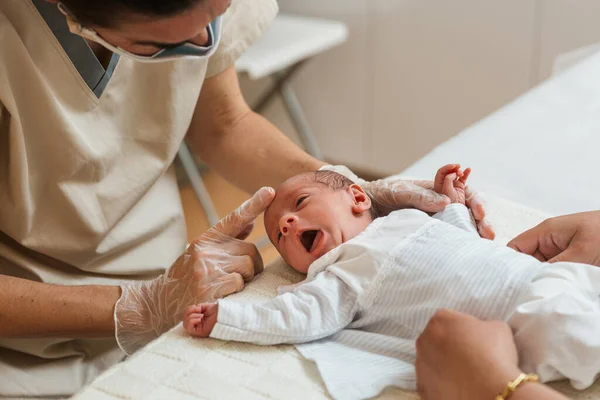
pixel 415 72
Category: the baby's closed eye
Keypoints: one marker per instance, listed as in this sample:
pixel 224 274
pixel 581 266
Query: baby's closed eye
pixel 300 200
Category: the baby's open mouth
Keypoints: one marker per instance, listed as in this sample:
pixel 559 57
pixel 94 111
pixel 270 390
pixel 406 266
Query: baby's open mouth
pixel 307 238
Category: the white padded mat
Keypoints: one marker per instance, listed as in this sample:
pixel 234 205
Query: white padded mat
pixel 179 367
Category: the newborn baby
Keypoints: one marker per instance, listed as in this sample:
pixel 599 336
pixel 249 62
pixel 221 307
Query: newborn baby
pixel 373 284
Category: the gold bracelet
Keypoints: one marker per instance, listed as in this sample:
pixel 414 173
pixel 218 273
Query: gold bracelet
pixel 513 385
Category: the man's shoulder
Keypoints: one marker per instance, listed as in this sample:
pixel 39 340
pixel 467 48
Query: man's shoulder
pixel 243 23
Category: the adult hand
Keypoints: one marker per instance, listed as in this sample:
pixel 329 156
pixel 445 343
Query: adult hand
pixel 574 237
pixel 214 265
pixel 394 193
pixel 460 357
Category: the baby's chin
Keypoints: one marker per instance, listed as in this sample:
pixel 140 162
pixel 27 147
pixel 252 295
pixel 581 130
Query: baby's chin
pixel 302 270
pixel 299 267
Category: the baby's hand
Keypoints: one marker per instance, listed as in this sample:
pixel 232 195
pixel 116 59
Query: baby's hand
pixel 451 181
pixel 199 320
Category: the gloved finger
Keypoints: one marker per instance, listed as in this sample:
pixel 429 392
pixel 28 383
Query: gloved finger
pixel 396 194
pixel 422 199
pixel 425 184
pixel 441 200
pixel 238 220
pixel 246 231
pixel 475 204
pixel 246 266
pixel 485 230
pixel 225 247
pixel 226 285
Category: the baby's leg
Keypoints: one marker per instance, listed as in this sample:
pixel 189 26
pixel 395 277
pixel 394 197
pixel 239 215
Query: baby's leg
pixel 557 325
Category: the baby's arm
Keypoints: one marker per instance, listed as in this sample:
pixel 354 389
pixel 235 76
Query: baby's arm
pixel 313 311
pixel 459 216
pixel 452 182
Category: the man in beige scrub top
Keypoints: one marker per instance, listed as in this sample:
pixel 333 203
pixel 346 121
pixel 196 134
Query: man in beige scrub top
pixel 96 97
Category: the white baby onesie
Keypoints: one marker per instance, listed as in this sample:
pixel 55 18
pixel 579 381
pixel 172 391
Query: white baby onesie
pixel 364 303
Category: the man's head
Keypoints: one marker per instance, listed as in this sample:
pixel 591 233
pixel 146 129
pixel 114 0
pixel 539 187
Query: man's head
pixel 313 213
pixel 144 27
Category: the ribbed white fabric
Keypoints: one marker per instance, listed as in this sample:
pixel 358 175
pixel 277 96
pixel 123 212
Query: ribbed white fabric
pixel 556 325
pixel 375 294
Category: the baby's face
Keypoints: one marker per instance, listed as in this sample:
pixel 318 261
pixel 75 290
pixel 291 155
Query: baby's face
pixel 307 219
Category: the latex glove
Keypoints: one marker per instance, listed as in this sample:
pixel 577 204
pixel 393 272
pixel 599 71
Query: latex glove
pixel 214 265
pixel 394 193
pixel 574 238
pixel 462 358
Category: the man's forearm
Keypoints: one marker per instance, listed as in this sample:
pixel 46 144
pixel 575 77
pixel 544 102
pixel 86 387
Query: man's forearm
pixel 253 153
pixel 239 144
pixel 33 309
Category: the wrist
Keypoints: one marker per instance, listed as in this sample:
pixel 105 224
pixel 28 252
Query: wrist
pixel 536 390
pixel 516 384
pixel 214 320
pixel 136 322
pixel 498 380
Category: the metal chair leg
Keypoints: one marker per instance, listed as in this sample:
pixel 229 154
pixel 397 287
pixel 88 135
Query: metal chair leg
pixel 290 100
pixel 299 119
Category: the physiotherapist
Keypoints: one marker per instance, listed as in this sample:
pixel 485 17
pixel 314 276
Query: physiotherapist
pixel 96 97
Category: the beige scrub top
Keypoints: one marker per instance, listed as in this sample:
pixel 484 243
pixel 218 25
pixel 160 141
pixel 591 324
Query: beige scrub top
pixel 87 192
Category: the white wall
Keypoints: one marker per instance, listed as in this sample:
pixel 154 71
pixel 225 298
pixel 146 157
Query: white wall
pixel 565 25
pixel 440 66
pixel 414 72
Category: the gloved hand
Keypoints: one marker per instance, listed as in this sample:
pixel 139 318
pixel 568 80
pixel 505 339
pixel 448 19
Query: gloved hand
pixel 214 265
pixel 394 193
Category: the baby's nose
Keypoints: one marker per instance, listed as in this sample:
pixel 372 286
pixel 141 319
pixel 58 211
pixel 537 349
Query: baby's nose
pixel 287 224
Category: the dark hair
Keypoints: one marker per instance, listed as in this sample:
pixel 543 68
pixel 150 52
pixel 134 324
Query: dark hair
pixel 336 181
pixel 108 13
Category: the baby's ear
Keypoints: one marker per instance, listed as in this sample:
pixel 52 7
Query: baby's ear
pixel 361 202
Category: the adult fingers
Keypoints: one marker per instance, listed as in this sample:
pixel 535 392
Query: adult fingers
pixel 245 266
pixel 226 285
pixel 236 223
